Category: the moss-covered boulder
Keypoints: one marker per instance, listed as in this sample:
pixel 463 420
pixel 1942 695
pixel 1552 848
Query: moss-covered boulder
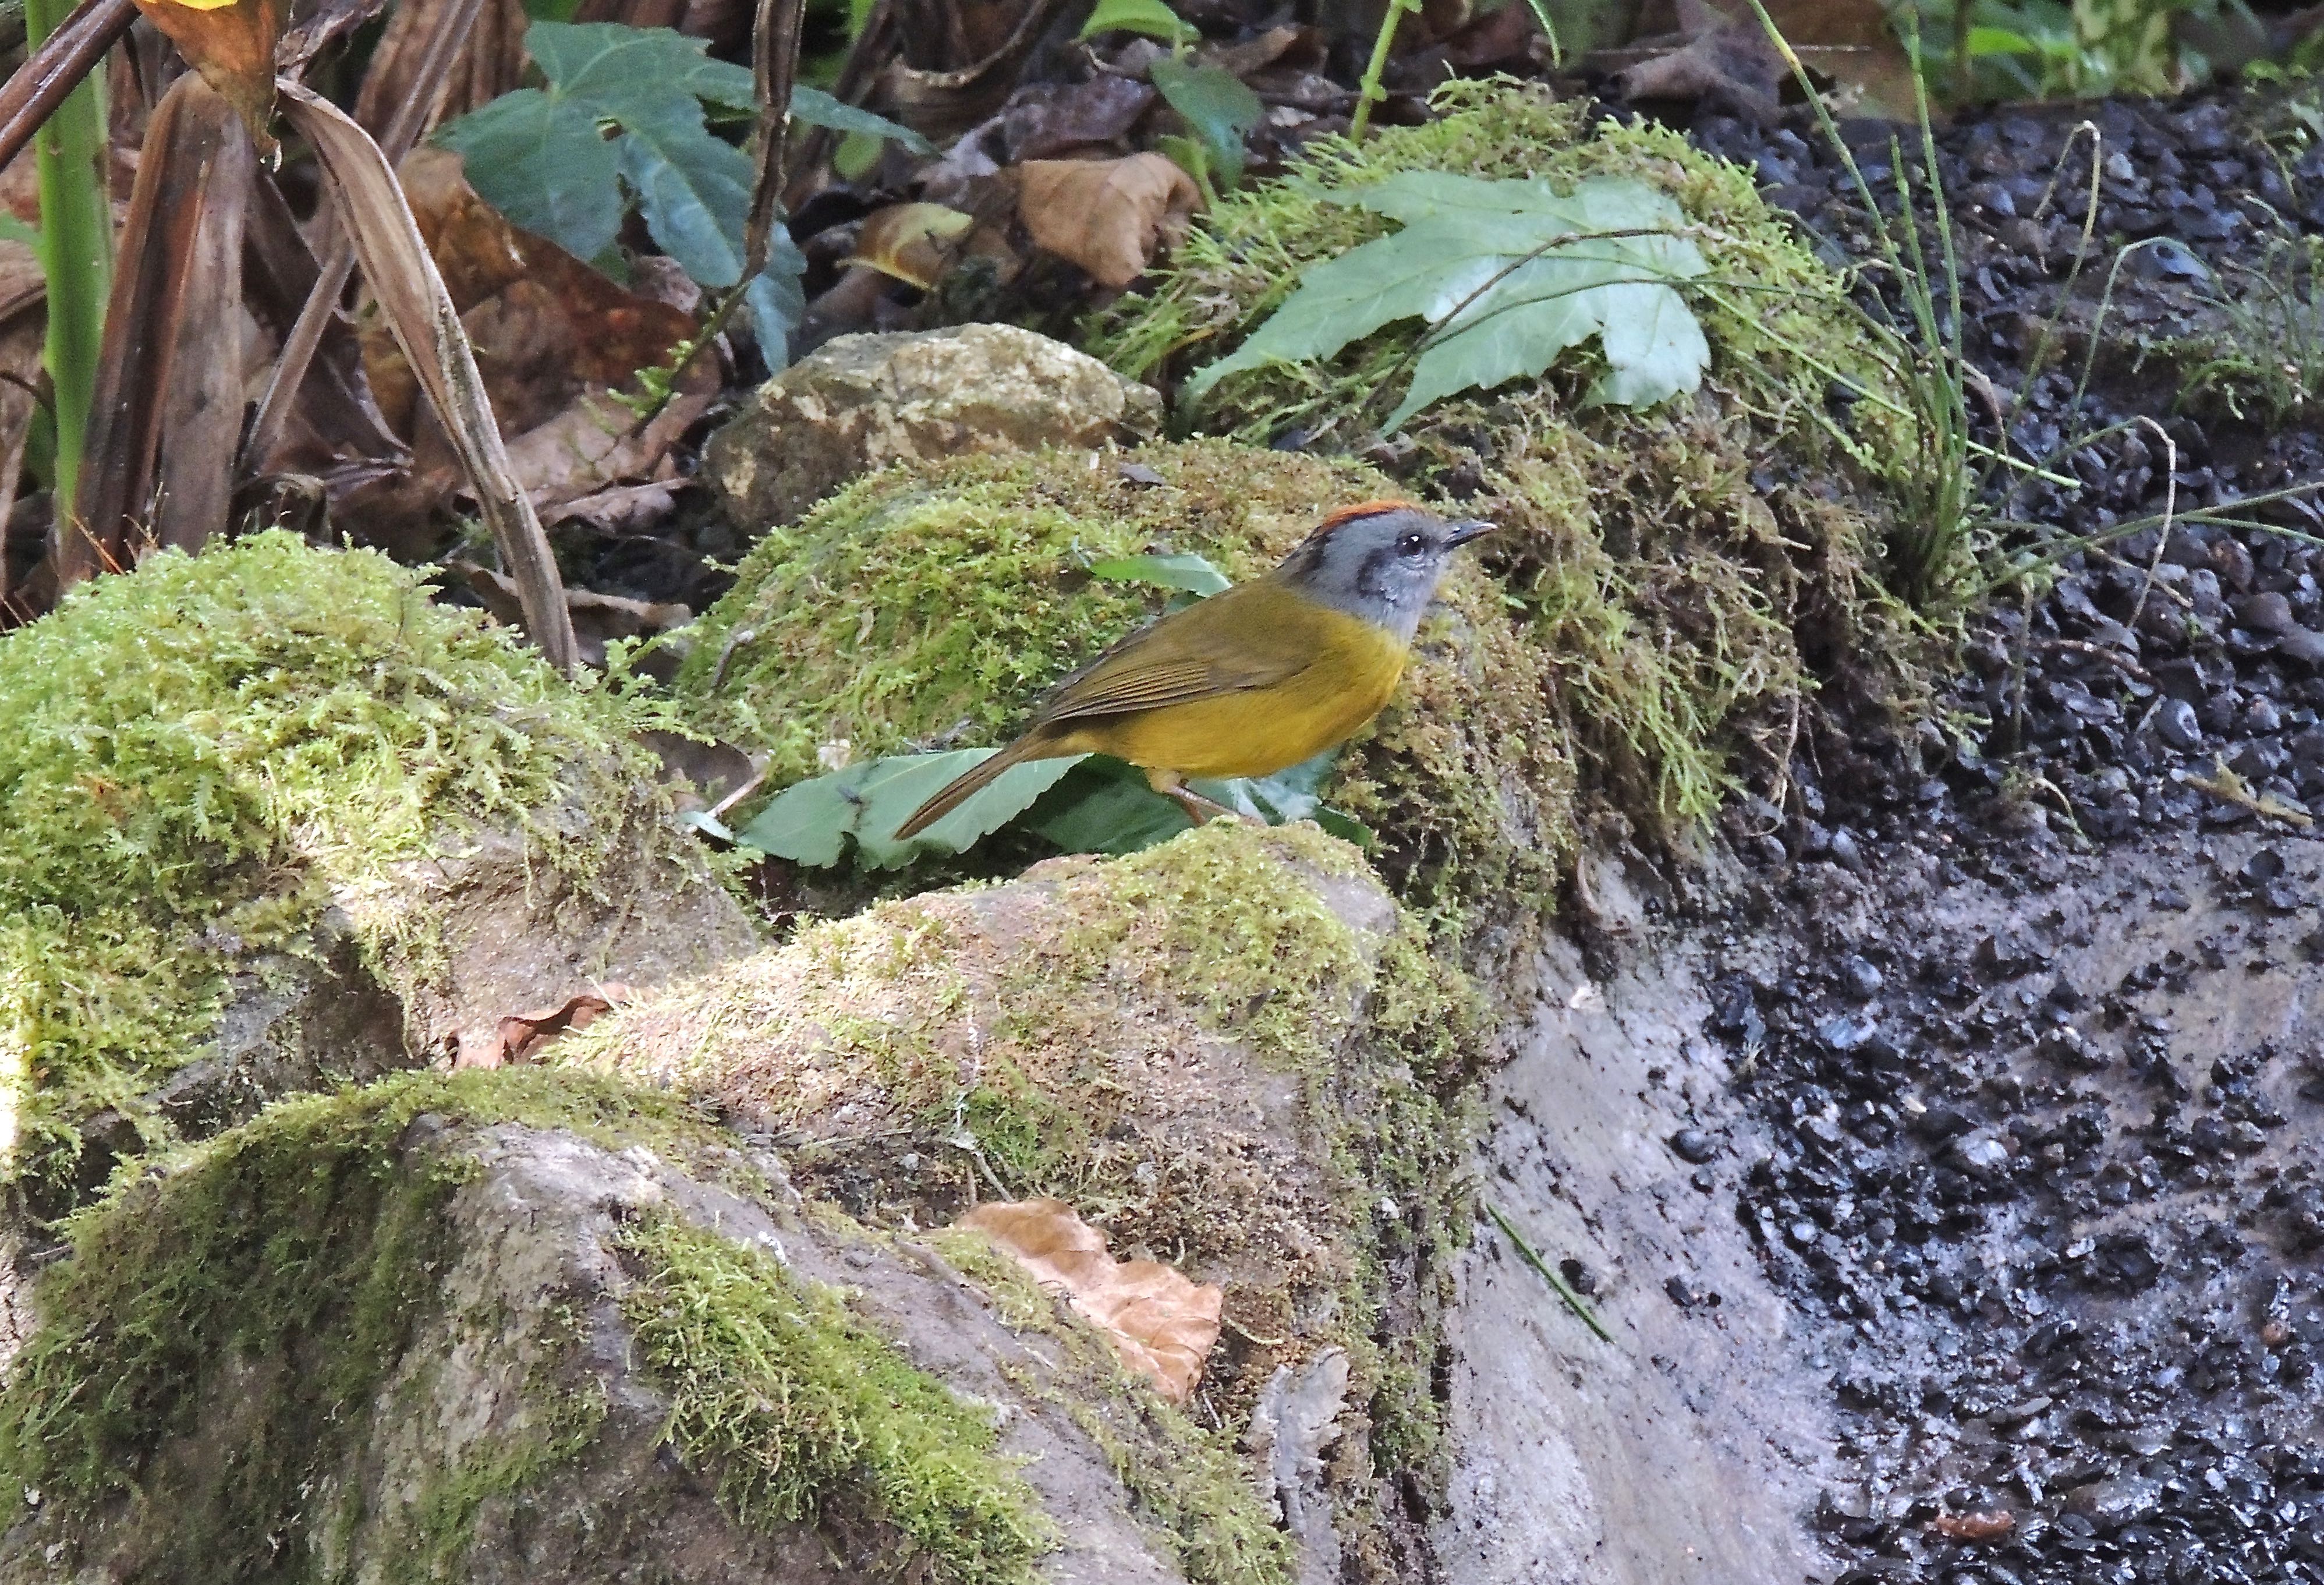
pixel 968 594
pixel 522 1326
pixel 1693 566
pixel 275 819
pixel 1229 1051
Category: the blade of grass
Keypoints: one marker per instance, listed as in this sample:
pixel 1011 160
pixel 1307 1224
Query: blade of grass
pixel 76 252
pixel 1557 1283
pixel 419 314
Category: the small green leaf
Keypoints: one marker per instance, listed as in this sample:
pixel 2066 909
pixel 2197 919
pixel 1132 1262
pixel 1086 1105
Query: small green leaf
pixel 777 300
pixel 1185 571
pixel 695 191
pixel 1216 105
pixel 12 230
pixel 1149 17
pixel 542 161
pixel 813 822
pixel 633 75
pixel 817 108
pixel 1999 40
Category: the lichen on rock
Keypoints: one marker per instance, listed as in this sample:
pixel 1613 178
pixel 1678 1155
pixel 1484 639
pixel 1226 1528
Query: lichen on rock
pixel 272 766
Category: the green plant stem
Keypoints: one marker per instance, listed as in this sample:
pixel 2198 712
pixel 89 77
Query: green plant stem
pixel 76 251
pixel 1369 92
pixel 1532 1258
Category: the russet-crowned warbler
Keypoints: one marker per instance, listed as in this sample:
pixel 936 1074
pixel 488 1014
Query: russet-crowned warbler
pixel 1256 678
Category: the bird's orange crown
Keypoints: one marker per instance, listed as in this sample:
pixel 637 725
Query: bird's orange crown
pixel 1364 509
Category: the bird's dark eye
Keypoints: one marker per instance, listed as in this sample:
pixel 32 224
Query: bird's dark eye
pixel 1411 544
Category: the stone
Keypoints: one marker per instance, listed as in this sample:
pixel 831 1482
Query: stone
pixel 863 401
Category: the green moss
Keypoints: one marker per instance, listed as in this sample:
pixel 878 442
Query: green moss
pixel 967 596
pixel 258 1290
pixel 807 1416
pixel 1687 572
pixel 195 755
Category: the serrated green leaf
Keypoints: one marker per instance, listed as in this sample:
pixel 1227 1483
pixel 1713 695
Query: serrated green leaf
pixel 817 108
pixel 1150 17
pixel 1508 274
pixel 1184 570
pixel 694 192
pixel 814 821
pixel 1216 105
pixel 1104 806
pixel 542 161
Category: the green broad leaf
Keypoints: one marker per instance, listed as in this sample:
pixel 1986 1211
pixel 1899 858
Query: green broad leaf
pixel 695 191
pixel 634 75
pixel 777 300
pixel 1216 106
pixel 1507 274
pixel 1104 806
pixel 817 108
pixel 1185 571
pixel 815 822
pixel 1149 17
pixel 542 161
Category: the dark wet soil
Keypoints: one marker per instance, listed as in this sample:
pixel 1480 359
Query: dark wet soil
pixel 2041 1097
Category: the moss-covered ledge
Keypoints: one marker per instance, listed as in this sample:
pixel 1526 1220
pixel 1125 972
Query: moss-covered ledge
pixel 275 817
pixel 532 1325
pixel 1232 1051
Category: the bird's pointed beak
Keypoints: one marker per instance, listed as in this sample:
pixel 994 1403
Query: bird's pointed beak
pixel 1461 532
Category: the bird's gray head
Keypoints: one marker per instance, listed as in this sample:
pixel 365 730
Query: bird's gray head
pixel 1378 561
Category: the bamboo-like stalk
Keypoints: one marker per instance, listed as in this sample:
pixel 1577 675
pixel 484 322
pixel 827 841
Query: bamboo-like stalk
pixel 75 251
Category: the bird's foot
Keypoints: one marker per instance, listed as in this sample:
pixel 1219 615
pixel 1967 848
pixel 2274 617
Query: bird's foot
pixel 1200 809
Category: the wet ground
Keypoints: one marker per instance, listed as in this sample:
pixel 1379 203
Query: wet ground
pixel 2025 1015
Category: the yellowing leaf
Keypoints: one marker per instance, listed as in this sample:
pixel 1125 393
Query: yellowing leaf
pixel 914 243
pixel 1160 1323
pixel 1109 217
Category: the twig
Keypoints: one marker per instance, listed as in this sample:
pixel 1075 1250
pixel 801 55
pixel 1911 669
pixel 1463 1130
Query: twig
pixel 1532 1258
pixel 2129 667
pixel 55 68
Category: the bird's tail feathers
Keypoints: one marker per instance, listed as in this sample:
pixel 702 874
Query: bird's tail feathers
pixel 964 786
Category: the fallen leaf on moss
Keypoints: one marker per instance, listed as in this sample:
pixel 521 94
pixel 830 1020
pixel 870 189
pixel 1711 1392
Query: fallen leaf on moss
pixel 1109 217
pixel 520 1036
pixel 1979 1527
pixel 1160 1323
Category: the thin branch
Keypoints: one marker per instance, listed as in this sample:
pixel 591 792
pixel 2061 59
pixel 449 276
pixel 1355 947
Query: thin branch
pixel 34 90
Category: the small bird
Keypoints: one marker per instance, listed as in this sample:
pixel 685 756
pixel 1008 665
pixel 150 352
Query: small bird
pixel 1256 678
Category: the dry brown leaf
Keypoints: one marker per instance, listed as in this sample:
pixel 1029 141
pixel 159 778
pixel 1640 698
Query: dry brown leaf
pixel 490 61
pixel 420 314
pixel 520 1036
pixel 168 403
pixel 1109 217
pixel 231 42
pixel 914 243
pixel 1979 1527
pixel 1160 1323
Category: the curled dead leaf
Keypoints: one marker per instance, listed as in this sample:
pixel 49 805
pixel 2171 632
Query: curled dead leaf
pixel 1161 1324
pixel 520 1036
pixel 1111 217
pixel 914 243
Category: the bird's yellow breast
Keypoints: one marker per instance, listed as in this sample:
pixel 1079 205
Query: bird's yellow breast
pixel 1258 731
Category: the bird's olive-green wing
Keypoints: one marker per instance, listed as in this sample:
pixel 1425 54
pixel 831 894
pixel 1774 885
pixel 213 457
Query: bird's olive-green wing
pixel 1252 636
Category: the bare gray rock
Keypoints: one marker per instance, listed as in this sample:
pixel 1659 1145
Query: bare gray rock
pixel 865 401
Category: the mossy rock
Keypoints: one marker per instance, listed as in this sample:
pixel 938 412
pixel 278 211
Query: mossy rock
pixel 1230 1051
pixel 530 1325
pixel 931 605
pixel 259 792
pixel 1694 567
